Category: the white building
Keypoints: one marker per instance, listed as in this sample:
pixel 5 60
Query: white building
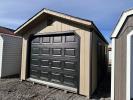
pixel 10 53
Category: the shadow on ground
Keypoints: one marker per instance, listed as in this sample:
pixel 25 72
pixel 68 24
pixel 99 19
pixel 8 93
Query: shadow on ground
pixel 104 89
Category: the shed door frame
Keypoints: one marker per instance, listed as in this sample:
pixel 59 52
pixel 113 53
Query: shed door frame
pixel 48 34
pixel 128 65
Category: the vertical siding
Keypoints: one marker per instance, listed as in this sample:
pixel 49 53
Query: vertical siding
pixel 94 60
pixel 94 63
pixel 87 62
pixel 24 57
pixel 84 62
pixel 58 26
pixel 120 69
pixel 120 60
pixel 11 59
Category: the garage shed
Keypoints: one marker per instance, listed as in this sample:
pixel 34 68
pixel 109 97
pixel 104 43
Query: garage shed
pixel 10 53
pixel 122 58
pixel 63 51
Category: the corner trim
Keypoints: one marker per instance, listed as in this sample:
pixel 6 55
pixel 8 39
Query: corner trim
pixel 128 65
pixel 1 54
pixel 113 69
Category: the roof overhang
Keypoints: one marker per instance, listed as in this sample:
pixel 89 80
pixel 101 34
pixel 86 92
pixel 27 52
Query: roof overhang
pixel 86 23
pixel 57 14
pixel 121 22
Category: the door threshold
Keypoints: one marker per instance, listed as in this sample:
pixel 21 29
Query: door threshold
pixel 71 89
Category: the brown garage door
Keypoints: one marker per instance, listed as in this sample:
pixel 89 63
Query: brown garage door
pixel 55 59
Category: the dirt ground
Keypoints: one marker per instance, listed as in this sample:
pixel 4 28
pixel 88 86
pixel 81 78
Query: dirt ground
pixel 14 89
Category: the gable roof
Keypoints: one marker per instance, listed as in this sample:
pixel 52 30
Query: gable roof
pixel 55 13
pixel 121 22
pixel 44 11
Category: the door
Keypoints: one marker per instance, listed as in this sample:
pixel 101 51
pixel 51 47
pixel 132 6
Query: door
pixel 55 59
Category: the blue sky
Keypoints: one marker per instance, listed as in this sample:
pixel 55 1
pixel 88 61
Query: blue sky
pixel 104 13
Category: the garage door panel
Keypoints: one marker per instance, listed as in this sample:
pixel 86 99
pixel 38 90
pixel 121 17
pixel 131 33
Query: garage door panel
pixel 44 78
pixel 59 58
pixel 56 70
pixel 70 52
pixel 70 72
pixel 44 75
pixel 36 40
pixel 69 65
pixel 70 39
pixel 34 73
pixel 34 61
pixel 70 80
pixel 55 59
pixel 56 51
pixel 34 76
pixel 44 63
pixel 45 51
pixel 57 39
pixel 45 39
pixel 42 68
pixel 56 77
pixel 56 63
pixel 48 69
pixel 35 56
pixel 56 45
pixel 34 67
pixel 35 50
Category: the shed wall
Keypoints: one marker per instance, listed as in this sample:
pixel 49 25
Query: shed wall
pixel 95 58
pixel 94 62
pixel 11 59
pixel 120 60
pixel 57 26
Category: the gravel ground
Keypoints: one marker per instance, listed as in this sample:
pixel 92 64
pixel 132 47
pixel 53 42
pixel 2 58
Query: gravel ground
pixel 14 89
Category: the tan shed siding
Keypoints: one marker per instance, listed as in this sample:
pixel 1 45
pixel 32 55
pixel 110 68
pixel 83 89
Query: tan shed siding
pixel 24 57
pixel 94 63
pixel 87 62
pixel 120 60
pixel 58 26
pixel 94 60
pixel 84 62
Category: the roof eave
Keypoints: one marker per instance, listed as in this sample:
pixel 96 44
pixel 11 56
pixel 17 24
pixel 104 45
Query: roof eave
pixel 98 31
pixel 121 22
pixel 54 13
pixel 29 21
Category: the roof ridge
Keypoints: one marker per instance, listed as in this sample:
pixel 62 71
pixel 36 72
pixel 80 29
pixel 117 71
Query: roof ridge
pixel 67 14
